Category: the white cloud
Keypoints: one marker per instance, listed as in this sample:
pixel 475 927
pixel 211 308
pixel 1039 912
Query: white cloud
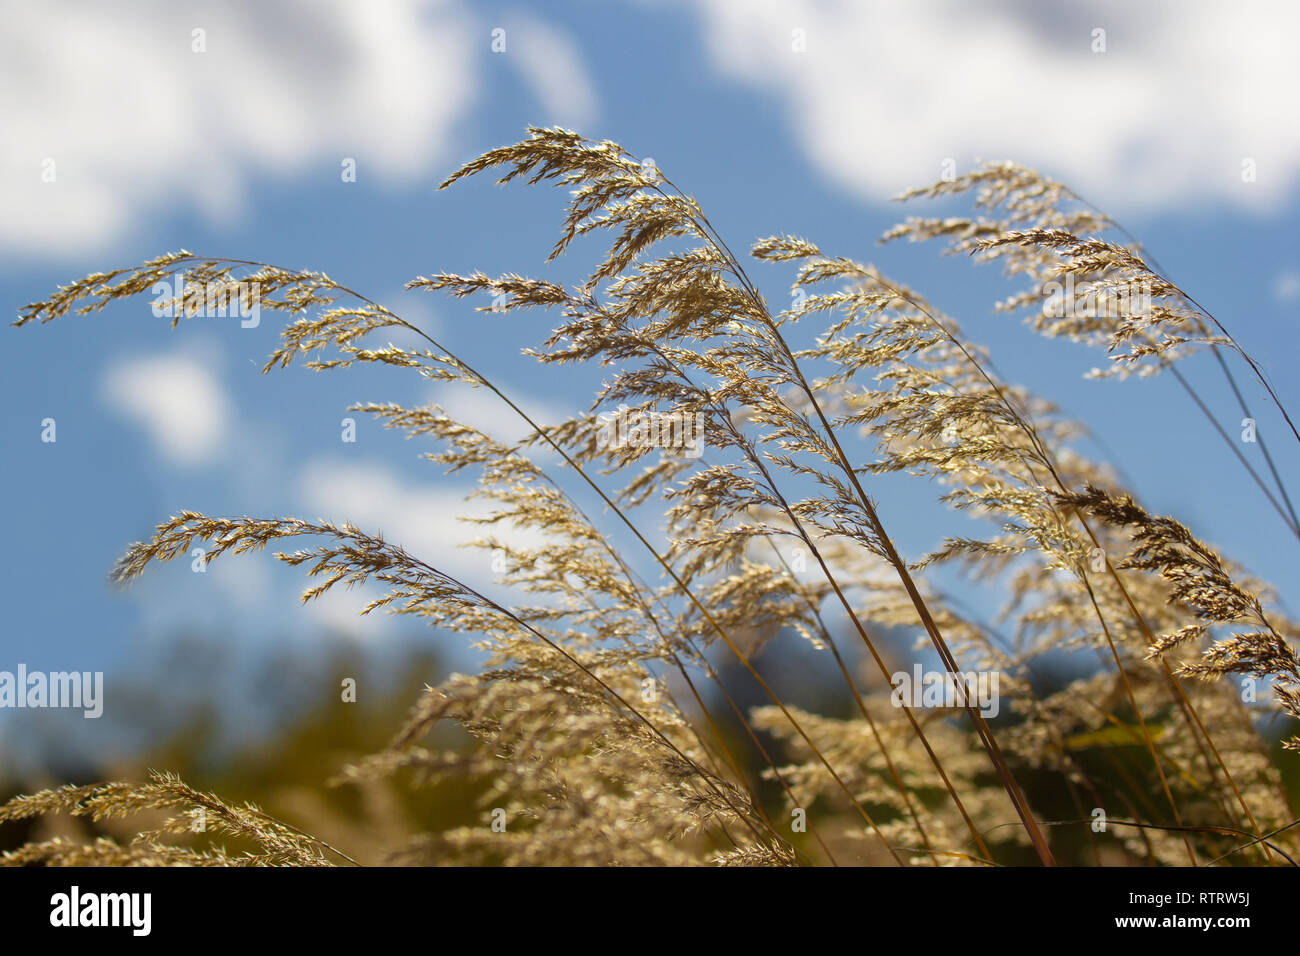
pixel 551 64
pixel 417 308
pixel 419 516
pixel 1287 287
pixel 244 583
pixel 137 123
pixel 479 408
pixel 177 400
pixel 886 91
pixel 338 612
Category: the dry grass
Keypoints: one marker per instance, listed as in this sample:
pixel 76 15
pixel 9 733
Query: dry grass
pixel 605 722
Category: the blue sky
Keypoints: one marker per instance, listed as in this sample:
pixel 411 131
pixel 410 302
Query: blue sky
pixel 799 117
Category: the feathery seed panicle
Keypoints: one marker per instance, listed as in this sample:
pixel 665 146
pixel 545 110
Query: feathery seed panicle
pixel 606 725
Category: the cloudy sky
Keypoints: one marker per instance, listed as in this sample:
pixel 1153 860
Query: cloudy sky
pixel 225 128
